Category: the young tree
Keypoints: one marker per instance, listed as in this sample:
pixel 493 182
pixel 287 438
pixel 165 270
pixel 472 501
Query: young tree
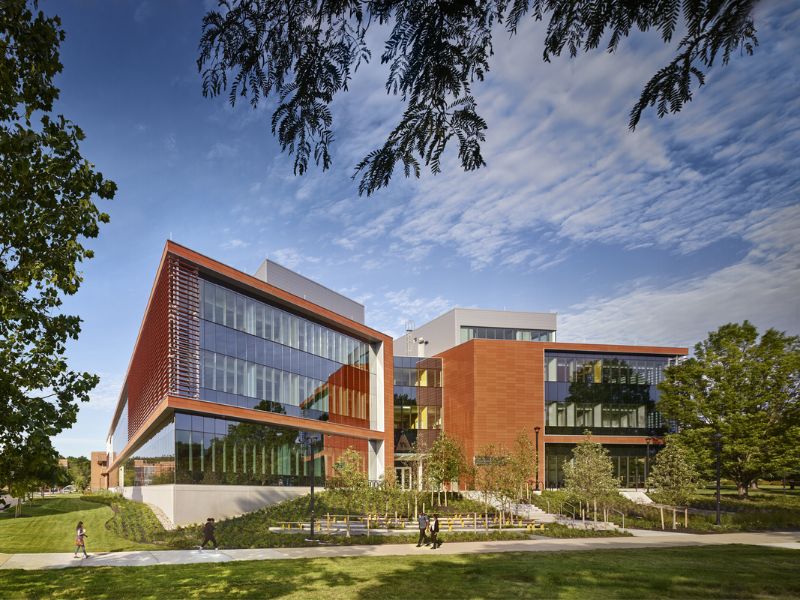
pixel 489 464
pixel 522 463
pixel 305 52
pixel 46 211
pixel 672 476
pixel 350 481
pixel 445 462
pixel 746 389
pixel 589 476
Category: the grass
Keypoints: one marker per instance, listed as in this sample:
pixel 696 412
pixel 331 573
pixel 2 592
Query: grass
pixel 116 524
pixel 48 525
pixel 701 572
pixel 766 510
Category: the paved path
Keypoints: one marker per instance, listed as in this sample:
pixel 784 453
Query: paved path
pixel 641 539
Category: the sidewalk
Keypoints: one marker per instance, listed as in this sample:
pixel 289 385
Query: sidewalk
pixel 641 539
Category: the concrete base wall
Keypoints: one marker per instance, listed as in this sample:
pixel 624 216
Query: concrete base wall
pixel 162 496
pixel 185 504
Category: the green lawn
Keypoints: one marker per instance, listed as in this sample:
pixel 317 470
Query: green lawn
pixel 48 525
pixel 716 572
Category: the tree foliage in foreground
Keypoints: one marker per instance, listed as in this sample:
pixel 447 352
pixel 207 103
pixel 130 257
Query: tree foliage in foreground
pixel 747 389
pixel 672 476
pixel 445 462
pixel 305 53
pixel 46 210
pixel 589 476
pixel 350 481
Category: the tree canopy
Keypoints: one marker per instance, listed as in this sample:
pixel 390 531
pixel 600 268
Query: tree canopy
pixel 743 387
pixel 46 208
pixel 589 476
pixel 673 475
pixel 306 52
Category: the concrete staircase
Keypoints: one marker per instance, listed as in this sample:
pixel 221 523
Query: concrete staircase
pixel 637 496
pixel 526 511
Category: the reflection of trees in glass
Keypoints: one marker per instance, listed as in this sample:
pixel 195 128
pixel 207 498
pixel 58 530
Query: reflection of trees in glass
pixel 247 454
pixel 610 393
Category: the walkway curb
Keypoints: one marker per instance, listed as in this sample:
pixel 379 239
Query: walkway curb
pixel 790 540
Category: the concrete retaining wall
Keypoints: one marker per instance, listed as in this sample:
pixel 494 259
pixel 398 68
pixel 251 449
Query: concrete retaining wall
pixel 185 504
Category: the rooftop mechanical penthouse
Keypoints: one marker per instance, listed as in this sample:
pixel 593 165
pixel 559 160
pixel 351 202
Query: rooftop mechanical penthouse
pixel 243 387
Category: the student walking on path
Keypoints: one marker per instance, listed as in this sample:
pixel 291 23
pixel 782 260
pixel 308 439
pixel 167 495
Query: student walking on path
pixel 423 522
pixel 208 534
pixel 80 540
pixel 435 533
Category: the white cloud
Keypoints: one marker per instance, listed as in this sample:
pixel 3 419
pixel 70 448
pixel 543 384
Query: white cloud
pixel 221 151
pixel 563 167
pixel 391 312
pixel 763 287
pixel 235 243
pixel 291 258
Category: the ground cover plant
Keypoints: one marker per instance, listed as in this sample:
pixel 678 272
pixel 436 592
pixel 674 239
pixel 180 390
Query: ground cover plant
pixel 48 525
pixel 116 524
pixel 767 510
pixel 700 572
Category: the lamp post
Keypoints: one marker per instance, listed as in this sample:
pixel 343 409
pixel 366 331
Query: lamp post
pixel 718 448
pixel 648 441
pixel 308 440
pixel 536 431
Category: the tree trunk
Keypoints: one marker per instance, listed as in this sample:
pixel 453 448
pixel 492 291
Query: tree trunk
pixel 741 488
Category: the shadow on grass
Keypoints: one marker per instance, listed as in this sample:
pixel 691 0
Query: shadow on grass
pixel 716 572
pixel 43 507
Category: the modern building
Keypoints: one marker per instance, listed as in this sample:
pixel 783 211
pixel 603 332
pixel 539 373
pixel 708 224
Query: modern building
pixel 241 387
pixel 503 373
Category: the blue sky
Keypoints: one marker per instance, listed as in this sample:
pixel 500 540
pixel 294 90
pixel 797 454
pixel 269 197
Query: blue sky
pixel 657 236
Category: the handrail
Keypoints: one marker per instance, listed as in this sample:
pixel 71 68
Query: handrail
pixel 572 506
pixel 623 516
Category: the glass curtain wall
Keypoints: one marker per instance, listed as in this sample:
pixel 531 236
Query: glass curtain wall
pixel 119 438
pixel 154 462
pixel 506 333
pixel 254 355
pixel 628 461
pixel 417 402
pixel 607 394
pixel 226 452
pixel 194 449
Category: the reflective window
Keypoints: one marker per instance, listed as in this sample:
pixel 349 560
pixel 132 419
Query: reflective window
pixel 257 356
pixel 506 333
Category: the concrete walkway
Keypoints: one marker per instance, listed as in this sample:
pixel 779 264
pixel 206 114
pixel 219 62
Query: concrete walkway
pixel 641 539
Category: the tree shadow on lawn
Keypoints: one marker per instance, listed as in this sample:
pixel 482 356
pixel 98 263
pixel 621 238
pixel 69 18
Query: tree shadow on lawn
pixel 43 507
pixel 647 573
pixel 725 571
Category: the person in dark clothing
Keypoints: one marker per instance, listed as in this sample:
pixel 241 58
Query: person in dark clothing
pixel 208 534
pixel 423 522
pixel 435 532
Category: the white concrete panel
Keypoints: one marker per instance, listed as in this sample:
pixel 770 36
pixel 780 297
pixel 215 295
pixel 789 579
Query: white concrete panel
pixel 162 496
pixel 310 290
pixel 195 503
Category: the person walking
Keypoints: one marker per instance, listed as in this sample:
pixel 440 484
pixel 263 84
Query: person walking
pixel 80 540
pixel 208 534
pixel 423 522
pixel 435 532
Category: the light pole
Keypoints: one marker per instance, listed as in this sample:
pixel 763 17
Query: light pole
pixel 648 441
pixel 718 448
pixel 536 431
pixel 308 440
